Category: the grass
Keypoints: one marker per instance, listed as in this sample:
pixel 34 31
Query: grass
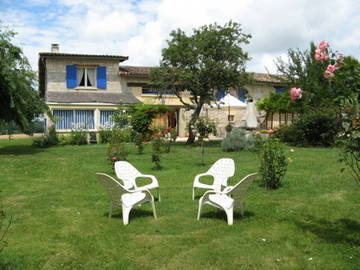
pixel 60 221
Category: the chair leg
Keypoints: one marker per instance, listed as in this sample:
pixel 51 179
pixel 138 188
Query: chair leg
pixel 200 208
pixel 193 193
pixel 125 214
pixel 153 207
pixel 229 214
pixel 159 198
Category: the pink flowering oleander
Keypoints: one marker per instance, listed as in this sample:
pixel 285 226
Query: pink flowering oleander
pixel 270 131
pixel 323 45
pixel 328 74
pixel 321 51
pixel 331 68
pixel 295 93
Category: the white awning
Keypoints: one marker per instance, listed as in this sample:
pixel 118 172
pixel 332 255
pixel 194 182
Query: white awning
pixel 231 101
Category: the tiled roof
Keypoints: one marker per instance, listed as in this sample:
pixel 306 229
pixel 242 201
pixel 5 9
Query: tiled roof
pixel 143 71
pixel 72 96
pixel 265 77
pixel 66 55
pixel 134 71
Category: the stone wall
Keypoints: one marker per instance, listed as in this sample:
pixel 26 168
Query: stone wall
pixel 56 73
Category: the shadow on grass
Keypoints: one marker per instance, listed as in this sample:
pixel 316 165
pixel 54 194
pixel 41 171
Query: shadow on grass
pixel 343 230
pixel 134 213
pixel 222 215
pixel 20 150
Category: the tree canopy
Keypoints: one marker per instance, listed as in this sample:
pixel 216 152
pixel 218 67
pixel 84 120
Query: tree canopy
pixel 202 63
pixel 19 101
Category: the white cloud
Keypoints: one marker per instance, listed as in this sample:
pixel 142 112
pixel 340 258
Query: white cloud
pixel 139 29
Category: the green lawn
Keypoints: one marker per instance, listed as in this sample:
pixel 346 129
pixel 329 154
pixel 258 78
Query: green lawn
pixel 59 214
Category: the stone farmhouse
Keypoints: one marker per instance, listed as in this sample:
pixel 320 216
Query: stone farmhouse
pixel 83 90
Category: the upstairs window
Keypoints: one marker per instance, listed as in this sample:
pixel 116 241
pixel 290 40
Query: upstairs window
pixel 86 77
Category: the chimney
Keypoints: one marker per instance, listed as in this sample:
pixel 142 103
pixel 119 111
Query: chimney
pixel 55 48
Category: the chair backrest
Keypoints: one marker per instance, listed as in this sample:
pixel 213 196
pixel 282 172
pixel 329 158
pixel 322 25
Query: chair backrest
pixel 221 170
pixel 239 190
pixel 126 172
pixel 113 187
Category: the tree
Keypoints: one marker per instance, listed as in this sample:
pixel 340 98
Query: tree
pixel 19 101
pixel 200 64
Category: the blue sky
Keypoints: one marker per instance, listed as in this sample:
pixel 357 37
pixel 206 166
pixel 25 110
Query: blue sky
pixel 139 29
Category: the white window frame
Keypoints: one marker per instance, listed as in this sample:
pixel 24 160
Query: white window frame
pixel 86 76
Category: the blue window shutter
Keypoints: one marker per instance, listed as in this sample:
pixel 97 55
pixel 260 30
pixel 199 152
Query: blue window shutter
pixel 220 93
pixel 280 90
pixel 242 95
pixel 71 76
pixel 101 77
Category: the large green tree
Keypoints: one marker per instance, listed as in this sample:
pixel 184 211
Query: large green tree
pixel 19 101
pixel 209 59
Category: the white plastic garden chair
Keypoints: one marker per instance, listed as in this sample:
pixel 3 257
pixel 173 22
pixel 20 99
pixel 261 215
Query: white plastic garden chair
pixel 221 170
pixel 127 173
pixel 123 197
pixel 232 197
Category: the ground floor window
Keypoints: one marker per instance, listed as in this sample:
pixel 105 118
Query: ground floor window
pixel 74 119
pixel 106 118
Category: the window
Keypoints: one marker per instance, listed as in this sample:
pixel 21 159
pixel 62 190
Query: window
pixel 149 91
pixel 280 90
pixel 242 93
pixel 106 119
pixel 74 119
pixel 220 93
pixel 231 117
pixel 85 77
pixel 88 77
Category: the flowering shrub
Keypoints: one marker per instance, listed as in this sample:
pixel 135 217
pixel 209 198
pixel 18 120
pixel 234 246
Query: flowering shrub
pixel 295 93
pixel 350 138
pixel 322 53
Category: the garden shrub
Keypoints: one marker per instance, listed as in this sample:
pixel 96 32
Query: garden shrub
pixel 139 143
pixel 105 135
pixel 237 140
pixel 273 164
pixel 156 154
pixel 311 129
pixel 47 140
pixel 349 139
pixel 117 147
pixel 77 137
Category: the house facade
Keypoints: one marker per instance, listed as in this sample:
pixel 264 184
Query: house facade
pixel 81 90
pixel 84 90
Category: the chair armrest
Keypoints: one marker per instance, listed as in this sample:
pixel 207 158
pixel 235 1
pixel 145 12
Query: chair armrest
pixel 152 177
pixel 197 177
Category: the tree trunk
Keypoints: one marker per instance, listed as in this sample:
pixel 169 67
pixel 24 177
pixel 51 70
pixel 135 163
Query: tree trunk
pixel 194 118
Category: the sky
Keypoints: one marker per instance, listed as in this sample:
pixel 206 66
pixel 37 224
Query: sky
pixel 139 28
